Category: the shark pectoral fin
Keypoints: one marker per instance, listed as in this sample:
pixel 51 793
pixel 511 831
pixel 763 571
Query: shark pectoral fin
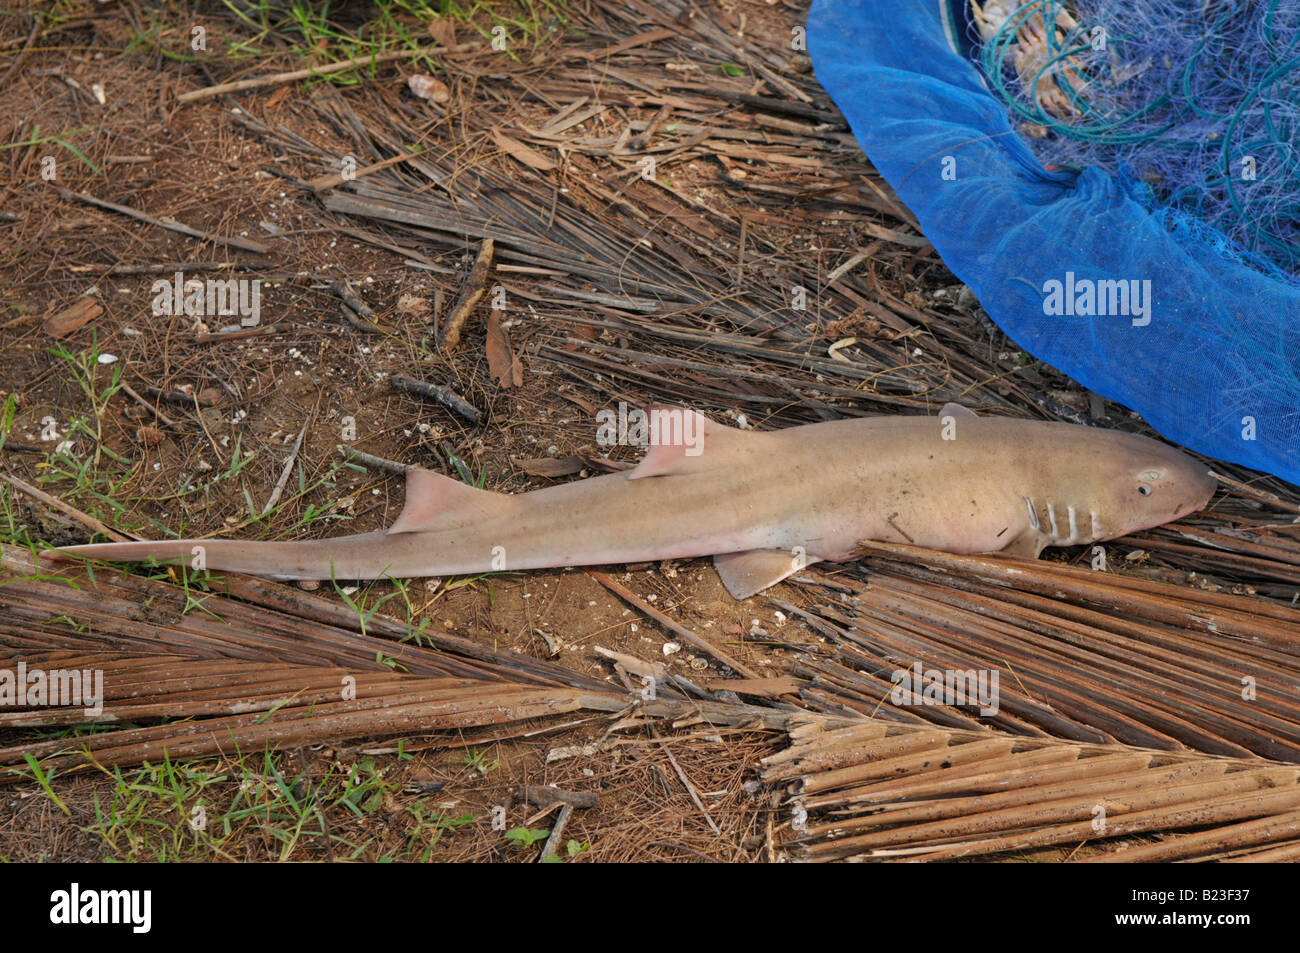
pixel 685 441
pixel 1028 544
pixel 434 501
pixel 752 571
pixel 956 410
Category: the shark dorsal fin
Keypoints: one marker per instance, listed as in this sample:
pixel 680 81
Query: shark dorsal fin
pixel 951 409
pixel 687 442
pixel 434 501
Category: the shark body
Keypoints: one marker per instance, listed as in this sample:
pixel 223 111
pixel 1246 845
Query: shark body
pixel 763 504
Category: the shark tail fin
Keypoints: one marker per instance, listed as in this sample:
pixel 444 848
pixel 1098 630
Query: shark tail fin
pixel 342 557
pixel 433 502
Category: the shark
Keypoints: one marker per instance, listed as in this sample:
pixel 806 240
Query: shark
pixel 762 504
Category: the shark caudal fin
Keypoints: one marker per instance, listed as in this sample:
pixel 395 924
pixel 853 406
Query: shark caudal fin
pixel 164 551
pixel 347 557
pixel 433 502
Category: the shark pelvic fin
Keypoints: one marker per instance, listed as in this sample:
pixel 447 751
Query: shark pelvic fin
pixel 434 501
pixel 752 571
pixel 685 441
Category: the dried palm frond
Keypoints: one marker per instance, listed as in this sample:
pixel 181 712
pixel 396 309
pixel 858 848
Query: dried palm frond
pixel 888 792
pixel 1079 654
pixel 250 663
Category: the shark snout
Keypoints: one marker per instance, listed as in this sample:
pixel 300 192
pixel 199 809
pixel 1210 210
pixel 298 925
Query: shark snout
pixel 1161 484
pixel 1201 489
pixel 1189 486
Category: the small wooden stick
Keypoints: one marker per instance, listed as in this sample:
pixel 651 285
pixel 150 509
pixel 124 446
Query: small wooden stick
pixel 162 418
pixel 356 322
pixel 284 475
pixel 370 460
pixel 355 312
pixel 335 179
pixel 212 337
pixel 553 842
pixel 168 223
pixel 166 268
pixel 1251 492
pixel 85 519
pixel 202 398
pixel 443 395
pixel 628 596
pixel 275 79
pixel 349 297
pixel 22 54
pixel 690 788
pixel 470 293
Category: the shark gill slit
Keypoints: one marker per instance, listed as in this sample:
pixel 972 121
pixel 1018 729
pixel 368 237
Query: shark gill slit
pixel 1033 513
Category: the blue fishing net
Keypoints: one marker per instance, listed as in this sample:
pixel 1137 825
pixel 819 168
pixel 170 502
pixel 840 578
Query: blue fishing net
pixel 1195 104
pixel 1104 220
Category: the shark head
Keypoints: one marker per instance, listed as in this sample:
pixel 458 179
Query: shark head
pixel 1141 483
pixel 1102 484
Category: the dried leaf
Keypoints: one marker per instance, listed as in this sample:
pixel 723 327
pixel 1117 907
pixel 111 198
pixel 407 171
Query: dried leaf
pixel 517 150
pixel 583 331
pixel 72 318
pixel 443 30
pixel 502 361
pixel 416 306
pixel 149 436
pixel 277 97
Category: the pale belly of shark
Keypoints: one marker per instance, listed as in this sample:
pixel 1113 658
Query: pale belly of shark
pixel 763 504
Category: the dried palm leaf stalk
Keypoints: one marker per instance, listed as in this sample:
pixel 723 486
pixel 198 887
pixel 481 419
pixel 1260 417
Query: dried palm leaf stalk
pixel 899 792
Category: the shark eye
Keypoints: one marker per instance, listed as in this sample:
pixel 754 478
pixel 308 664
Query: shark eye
pixel 1144 489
